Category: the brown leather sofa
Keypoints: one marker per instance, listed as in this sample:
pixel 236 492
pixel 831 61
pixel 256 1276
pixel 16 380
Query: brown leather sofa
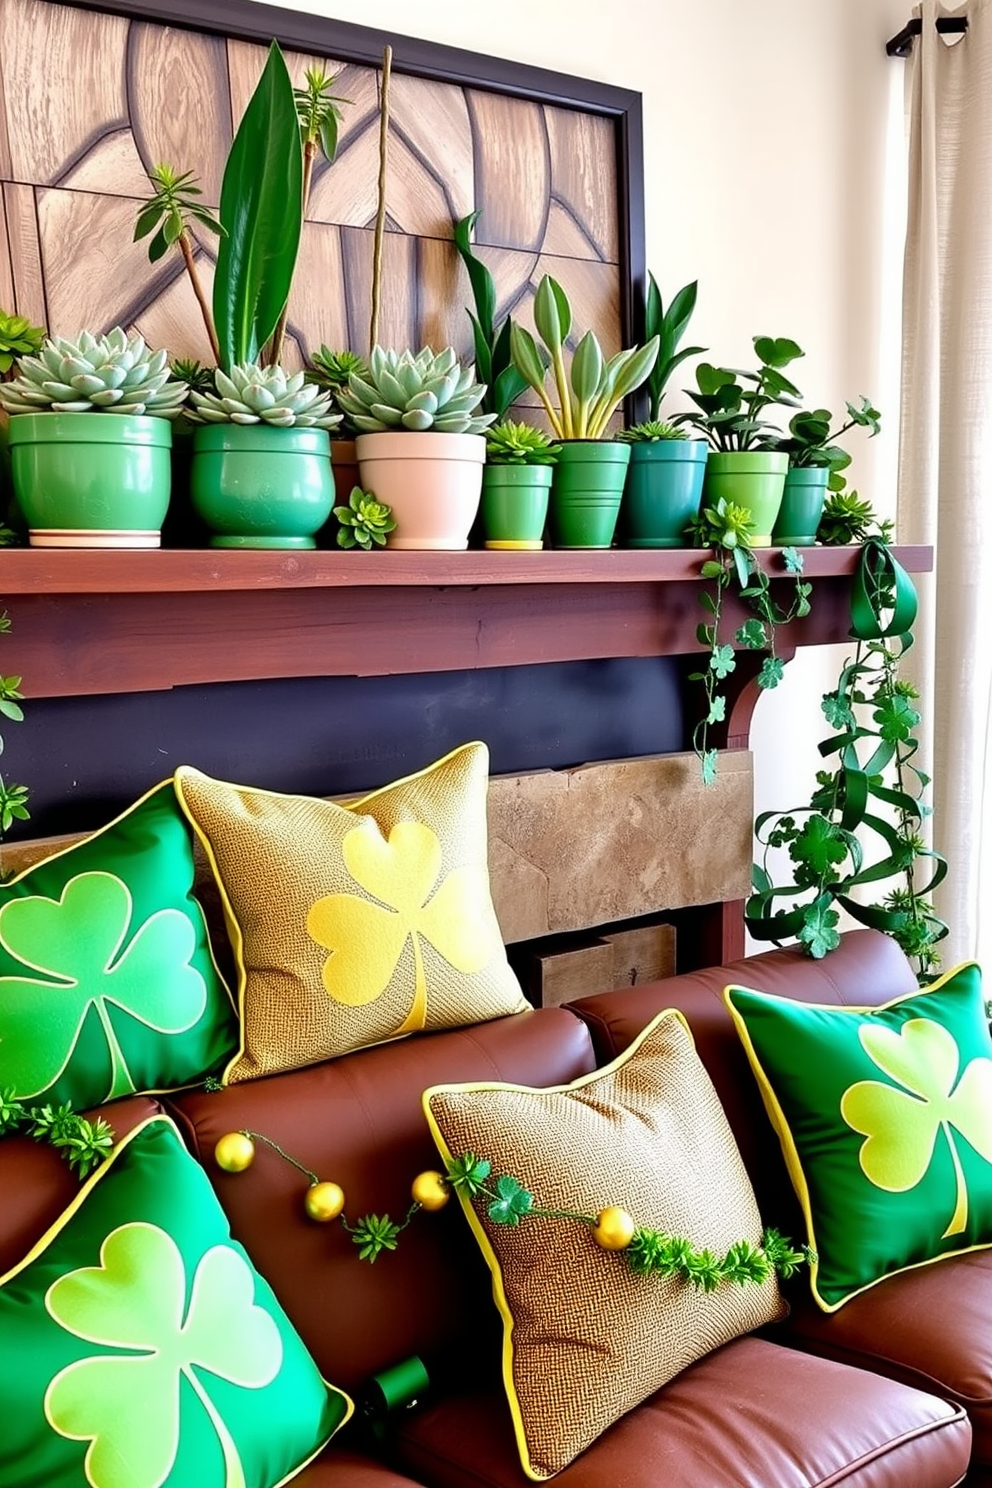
pixel 892 1391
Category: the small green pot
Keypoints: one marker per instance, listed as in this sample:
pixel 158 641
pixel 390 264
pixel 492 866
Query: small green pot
pixel 662 493
pixel 91 480
pixel 586 488
pixel 802 506
pixel 260 487
pixel 515 505
pixel 751 478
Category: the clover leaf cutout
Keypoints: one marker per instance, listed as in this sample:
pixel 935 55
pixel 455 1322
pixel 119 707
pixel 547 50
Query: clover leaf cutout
pixel 367 938
pixel 901 1126
pixel 80 947
pixel 126 1404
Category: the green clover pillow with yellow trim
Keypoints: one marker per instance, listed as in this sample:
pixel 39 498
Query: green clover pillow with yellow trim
pixel 885 1119
pixel 107 981
pixel 141 1349
pixel 355 924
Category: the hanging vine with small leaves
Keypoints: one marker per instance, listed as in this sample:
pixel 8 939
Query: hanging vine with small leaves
pixel 875 789
pixel 726 529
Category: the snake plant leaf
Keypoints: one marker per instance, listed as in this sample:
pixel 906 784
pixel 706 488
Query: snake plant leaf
pixel 261 210
pixel 552 314
pixel 483 288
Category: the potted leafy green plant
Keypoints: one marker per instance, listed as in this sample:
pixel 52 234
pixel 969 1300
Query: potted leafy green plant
pixel 363 522
pixel 493 362
pixel 256 414
pixel 81 479
pixel 516 485
pixel 816 461
pixel 664 485
pixel 330 370
pixel 591 469
pixel 731 407
pixel 420 442
pixel 669 325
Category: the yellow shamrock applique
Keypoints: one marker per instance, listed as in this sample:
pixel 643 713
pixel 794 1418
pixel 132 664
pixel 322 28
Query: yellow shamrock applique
pixel 901 1125
pixel 366 938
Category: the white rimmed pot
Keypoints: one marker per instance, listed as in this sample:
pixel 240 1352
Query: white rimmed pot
pixel 432 481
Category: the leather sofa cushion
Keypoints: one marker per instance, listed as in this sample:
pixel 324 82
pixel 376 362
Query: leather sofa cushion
pixel 867 968
pixel 37 1184
pixel 931 1328
pixel 750 1415
pixel 358 1121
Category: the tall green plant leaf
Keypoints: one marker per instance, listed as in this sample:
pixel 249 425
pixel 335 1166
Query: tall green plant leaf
pixel 261 210
pixel 483 289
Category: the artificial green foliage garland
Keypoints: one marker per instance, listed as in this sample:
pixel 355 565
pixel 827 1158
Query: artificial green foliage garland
pixel 648 1251
pixel 84 1144
pixel 875 787
pixel 726 528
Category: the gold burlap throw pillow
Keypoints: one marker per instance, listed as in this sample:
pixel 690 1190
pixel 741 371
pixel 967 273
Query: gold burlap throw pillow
pixel 355 924
pixel 585 1339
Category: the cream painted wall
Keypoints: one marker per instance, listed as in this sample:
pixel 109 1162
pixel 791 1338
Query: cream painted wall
pixel 774 165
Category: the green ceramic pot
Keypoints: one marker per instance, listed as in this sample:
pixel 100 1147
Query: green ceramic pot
pixel 802 506
pixel 751 478
pixel 586 488
pixel 662 493
pixel 515 505
pixel 259 487
pixel 91 480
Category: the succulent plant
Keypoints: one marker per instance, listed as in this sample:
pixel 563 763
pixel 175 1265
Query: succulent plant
pixel 509 443
pixel 18 337
pixel 194 374
pixel 364 521
pixel 426 391
pixel 115 373
pixel 263 395
pixel 331 369
pixel 648 433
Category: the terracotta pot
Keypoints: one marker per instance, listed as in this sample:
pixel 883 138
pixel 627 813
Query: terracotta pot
pixel 432 481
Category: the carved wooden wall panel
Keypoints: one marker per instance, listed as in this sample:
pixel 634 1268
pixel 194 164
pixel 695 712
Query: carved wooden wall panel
pixel 90 101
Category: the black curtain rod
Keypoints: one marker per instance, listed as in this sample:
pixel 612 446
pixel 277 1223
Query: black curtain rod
pixel 902 45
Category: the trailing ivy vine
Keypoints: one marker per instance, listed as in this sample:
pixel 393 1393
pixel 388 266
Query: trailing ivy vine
pixel 726 529
pixel 863 826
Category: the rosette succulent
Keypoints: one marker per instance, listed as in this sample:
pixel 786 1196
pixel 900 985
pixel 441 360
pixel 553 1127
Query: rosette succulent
pixel 251 394
pixel 511 443
pixel 115 373
pixel 415 392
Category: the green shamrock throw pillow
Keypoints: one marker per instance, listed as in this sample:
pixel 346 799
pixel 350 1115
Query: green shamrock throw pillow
pixel 107 981
pixel 885 1120
pixel 142 1350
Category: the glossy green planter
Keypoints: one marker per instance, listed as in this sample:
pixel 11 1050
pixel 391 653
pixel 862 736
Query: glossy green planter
pixel 515 505
pixel 662 494
pixel 751 478
pixel 802 506
pixel 91 480
pixel 259 487
pixel 586 489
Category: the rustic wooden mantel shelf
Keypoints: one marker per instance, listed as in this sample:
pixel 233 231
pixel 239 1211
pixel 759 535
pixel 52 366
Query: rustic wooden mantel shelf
pixel 106 622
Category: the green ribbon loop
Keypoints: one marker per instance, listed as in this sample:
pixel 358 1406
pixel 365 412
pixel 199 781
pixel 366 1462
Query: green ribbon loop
pixel 881 587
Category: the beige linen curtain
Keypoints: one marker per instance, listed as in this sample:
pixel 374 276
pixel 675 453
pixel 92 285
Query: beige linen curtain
pixel 945 464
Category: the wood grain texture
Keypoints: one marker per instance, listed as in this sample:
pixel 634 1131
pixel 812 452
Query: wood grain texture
pixel 25 253
pixel 345 193
pixel 7 296
pixel 432 120
pixel 179 103
pixel 5 166
pixel 171 316
pixel 78 58
pixel 398 324
pixel 442 317
pixel 512 170
pixel 584 178
pixel 99 288
pixel 110 167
